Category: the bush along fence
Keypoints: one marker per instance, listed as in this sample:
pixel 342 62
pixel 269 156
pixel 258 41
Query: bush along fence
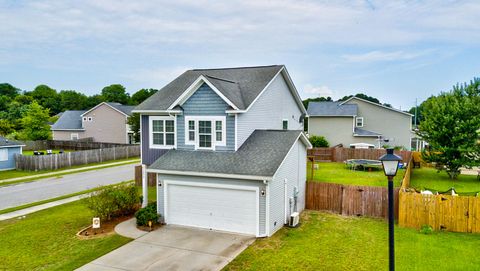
pixel 64 160
pixel 441 212
pixel 349 200
pixel 342 154
pixel 151 177
pixel 75 145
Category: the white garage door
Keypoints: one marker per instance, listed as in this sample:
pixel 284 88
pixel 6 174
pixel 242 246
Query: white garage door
pixel 223 209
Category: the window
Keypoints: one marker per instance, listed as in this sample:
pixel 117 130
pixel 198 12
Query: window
pixel 359 122
pixel 3 154
pixel 74 136
pixel 205 132
pixel 162 133
pixel 90 119
pixel 84 118
pixel 285 124
pixel 218 131
pixel 191 130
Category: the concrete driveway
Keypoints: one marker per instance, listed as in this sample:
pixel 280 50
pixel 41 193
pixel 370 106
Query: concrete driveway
pixel 175 248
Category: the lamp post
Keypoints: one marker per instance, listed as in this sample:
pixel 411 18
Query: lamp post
pixel 390 166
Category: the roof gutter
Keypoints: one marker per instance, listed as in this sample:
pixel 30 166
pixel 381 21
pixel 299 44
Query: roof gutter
pixel 209 174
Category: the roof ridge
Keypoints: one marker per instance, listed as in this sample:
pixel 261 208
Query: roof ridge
pixel 233 68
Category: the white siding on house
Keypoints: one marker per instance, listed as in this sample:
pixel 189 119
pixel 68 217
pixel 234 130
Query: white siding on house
pixel 294 171
pixel 272 107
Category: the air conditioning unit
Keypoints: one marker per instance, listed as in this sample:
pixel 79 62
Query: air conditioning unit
pixel 294 219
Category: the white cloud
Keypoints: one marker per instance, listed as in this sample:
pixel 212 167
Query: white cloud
pixel 375 56
pixel 155 77
pixel 317 91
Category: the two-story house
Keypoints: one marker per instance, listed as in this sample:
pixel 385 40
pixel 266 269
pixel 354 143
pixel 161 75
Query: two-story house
pixel 105 122
pixel 356 121
pixel 228 149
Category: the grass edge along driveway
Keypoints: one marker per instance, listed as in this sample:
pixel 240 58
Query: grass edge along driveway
pixel 326 241
pixel 46 240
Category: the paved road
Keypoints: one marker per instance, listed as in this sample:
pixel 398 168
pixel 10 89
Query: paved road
pixel 23 193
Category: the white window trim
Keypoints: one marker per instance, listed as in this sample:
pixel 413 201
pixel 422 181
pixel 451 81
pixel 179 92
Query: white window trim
pixel 3 154
pixel 90 119
pixel 213 119
pixel 356 121
pixel 72 135
pixel 84 118
pixel 150 132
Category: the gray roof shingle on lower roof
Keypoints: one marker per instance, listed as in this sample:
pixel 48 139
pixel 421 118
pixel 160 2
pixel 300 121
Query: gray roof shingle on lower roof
pixel 69 120
pixel 331 109
pixel 260 155
pixel 363 132
pixel 240 85
pixel 7 142
pixel 126 109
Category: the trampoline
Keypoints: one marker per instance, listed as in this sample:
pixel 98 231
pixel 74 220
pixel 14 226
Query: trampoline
pixel 353 164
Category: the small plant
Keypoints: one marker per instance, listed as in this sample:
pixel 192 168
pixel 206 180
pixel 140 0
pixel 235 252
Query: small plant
pixel 318 141
pixel 114 201
pixel 426 229
pixel 146 214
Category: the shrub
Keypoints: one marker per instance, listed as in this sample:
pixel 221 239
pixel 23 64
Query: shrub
pixel 318 141
pixel 112 201
pixel 146 214
pixel 426 229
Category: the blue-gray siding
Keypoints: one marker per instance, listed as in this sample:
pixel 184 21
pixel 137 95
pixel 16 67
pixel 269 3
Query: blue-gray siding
pixel 10 163
pixel 262 199
pixel 293 170
pixel 205 102
pixel 148 155
pixel 274 105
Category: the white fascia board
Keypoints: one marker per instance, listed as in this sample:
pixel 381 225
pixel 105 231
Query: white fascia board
pixel 193 87
pixel 166 112
pixel 357 135
pixel 12 146
pixel 305 140
pixel 209 174
pixel 78 130
pixel 380 105
pixel 95 107
pixel 319 116
pixel 294 90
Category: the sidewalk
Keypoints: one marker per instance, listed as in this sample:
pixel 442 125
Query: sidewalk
pixel 64 171
pixel 40 207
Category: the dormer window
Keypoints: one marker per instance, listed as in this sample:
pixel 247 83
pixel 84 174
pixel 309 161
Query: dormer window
pixel 205 132
pixel 359 122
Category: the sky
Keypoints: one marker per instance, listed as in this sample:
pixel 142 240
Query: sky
pixel 396 51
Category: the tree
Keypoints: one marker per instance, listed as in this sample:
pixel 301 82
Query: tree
pixel 141 95
pixel 8 90
pixel 318 141
pixel 35 123
pixel 361 96
pixel 451 125
pixel 318 99
pixel 72 100
pixel 134 122
pixel 47 97
pixel 94 100
pixel 5 127
pixel 116 93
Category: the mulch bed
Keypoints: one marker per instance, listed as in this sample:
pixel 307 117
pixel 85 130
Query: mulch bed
pixel 147 228
pixel 106 228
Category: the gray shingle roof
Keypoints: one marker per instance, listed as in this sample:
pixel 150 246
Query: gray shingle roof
pixel 240 85
pixel 331 109
pixel 69 120
pixel 260 155
pixel 7 142
pixel 363 132
pixel 126 109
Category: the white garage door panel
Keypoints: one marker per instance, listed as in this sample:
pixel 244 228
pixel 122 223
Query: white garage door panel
pixel 212 208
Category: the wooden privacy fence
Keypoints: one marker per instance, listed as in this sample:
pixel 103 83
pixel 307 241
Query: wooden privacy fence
pixel 342 154
pixel 350 200
pixel 68 159
pixel 151 177
pixel 69 145
pixel 441 212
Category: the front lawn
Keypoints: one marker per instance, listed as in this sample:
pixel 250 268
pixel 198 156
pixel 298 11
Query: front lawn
pixel 339 173
pixel 430 179
pixel 46 240
pixel 326 241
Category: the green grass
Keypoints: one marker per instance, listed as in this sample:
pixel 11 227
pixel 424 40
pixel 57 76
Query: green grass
pixel 431 179
pixel 46 240
pixel 44 151
pixel 339 173
pixel 9 174
pixel 327 241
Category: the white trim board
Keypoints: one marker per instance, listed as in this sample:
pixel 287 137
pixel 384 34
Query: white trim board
pixel 379 105
pixel 95 107
pixel 209 174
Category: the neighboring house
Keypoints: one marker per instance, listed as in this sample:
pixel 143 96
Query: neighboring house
pixel 228 148
pixel 8 149
pixel 106 122
pixel 360 121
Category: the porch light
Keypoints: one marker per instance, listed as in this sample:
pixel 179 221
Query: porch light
pixel 390 163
